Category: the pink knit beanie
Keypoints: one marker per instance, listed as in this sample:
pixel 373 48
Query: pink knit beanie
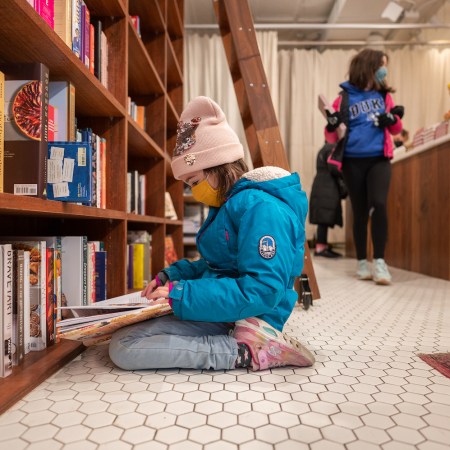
pixel 204 138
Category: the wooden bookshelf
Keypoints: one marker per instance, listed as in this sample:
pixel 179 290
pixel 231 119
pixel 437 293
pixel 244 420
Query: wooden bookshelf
pixel 148 68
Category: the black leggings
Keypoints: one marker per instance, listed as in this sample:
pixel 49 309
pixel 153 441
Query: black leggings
pixel 322 232
pixel 367 181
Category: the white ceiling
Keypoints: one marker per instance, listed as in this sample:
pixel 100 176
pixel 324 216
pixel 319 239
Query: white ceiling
pixel 305 19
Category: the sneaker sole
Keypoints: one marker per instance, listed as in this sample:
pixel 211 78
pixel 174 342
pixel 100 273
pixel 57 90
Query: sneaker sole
pixel 382 282
pixel 289 341
pixel 364 277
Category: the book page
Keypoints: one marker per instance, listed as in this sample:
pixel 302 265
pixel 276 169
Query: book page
pixel 324 105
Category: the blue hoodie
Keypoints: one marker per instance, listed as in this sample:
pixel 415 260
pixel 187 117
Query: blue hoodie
pixel 252 250
pixel 364 138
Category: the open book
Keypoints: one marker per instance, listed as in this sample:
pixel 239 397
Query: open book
pixel 324 106
pixel 94 324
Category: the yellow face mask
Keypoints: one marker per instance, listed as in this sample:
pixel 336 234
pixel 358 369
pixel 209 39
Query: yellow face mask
pixel 204 193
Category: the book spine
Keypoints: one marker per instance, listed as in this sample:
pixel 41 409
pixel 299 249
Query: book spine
pixel 42 174
pixel 7 312
pixel 51 123
pixel 19 299
pixel 130 266
pixel 43 297
pixel 50 297
pixel 104 61
pixel 2 127
pixel 103 161
pixel 76 27
pixel 72 121
pixel 88 136
pixel 91 273
pixel 91 48
pixel 63 20
pixel 99 178
pixel 138 266
pixel 100 276
pixel 86 35
pixel 85 272
pixel 98 49
pixel 47 12
pixel 26 302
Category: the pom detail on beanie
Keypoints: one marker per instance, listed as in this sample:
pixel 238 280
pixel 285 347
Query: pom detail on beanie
pixel 204 138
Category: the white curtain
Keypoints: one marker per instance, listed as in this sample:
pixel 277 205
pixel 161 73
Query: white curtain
pixel 297 77
pixel 207 73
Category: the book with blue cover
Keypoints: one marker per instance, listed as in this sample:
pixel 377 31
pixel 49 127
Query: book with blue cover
pixel 69 172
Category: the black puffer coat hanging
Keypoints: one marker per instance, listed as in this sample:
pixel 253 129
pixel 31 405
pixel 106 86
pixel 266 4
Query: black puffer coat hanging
pixel 326 193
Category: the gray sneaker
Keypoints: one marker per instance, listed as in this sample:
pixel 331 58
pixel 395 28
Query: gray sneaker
pixel 363 272
pixel 381 273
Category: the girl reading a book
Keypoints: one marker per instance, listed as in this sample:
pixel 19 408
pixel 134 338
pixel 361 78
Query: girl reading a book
pixel 230 306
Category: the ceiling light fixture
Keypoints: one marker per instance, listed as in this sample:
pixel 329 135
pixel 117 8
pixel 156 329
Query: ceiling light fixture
pixel 392 12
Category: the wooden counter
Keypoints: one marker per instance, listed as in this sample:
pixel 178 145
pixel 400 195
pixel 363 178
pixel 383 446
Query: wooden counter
pixel 418 211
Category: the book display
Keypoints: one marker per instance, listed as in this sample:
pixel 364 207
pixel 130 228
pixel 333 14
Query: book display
pixel 120 51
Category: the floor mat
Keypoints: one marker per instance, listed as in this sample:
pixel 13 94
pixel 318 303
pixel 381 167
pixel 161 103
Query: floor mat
pixel 439 361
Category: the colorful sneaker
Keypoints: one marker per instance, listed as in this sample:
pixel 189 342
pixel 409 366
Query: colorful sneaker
pixel 269 347
pixel 363 272
pixel 381 273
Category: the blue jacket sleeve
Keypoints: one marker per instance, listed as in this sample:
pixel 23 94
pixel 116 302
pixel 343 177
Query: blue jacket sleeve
pixel 262 281
pixel 186 270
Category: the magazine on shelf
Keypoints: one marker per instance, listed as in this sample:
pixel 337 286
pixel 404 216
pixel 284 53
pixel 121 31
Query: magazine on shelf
pixel 94 324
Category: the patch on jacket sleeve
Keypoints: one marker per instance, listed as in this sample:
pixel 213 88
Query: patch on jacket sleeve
pixel 267 247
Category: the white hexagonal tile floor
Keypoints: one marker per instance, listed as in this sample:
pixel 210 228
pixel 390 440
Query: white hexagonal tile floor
pixel 367 390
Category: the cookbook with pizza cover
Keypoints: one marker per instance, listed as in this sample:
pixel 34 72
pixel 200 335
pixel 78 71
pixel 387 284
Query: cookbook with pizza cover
pixel 26 129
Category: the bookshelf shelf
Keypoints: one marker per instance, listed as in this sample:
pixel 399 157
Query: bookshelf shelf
pixel 140 144
pixel 36 367
pixel 149 70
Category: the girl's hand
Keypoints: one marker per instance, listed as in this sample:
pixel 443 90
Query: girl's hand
pixel 160 291
pixel 149 288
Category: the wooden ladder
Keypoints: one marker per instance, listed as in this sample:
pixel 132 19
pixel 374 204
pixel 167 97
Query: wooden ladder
pixel 253 96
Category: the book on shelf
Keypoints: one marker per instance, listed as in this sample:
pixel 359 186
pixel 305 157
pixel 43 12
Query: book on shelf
pixel 93 248
pixel 51 122
pixel 170 254
pixel 74 270
pixel 2 126
pixel 6 309
pixel 169 208
pixel 63 21
pixel 37 287
pixel 97 24
pixel 26 302
pixel 87 135
pixel 101 259
pixel 85 34
pixel 136 21
pixel 26 129
pixel 50 297
pixel 91 48
pixel 94 324
pixel 104 59
pixel 76 27
pixel 46 9
pixel 62 98
pixel 18 341
pixel 139 267
pixel 70 172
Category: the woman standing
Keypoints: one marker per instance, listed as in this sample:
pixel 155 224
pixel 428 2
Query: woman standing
pixel 366 107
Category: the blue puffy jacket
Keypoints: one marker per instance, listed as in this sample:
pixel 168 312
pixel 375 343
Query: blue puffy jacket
pixel 252 249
